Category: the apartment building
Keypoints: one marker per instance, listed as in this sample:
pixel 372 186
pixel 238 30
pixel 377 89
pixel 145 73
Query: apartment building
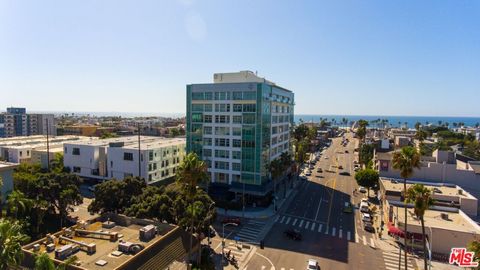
pixel 156 161
pixel 20 149
pixel 16 122
pixel 238 124
pixel 6 174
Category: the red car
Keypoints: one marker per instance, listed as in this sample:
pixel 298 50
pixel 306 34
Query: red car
pixel 233 220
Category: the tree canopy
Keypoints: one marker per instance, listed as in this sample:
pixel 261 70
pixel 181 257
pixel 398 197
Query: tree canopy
pixel 367 178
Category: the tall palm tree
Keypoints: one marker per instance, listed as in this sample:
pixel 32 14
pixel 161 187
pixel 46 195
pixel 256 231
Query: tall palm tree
pixel 17 203
pixel 191 173
pixel 406 160
pixel 43 262
pixel 11 240
pixel 421 198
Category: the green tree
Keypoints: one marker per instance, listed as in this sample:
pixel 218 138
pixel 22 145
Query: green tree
pixel 474 246
pixel 472 149
pixel 56 165
pixel 11 241
pixel 406 160
pixel 191 173
pixel 421 135
pixel 153 203
pixel 43 262
pixel 1 197
pixel 124 191
pixel 418 125
pixel 365 153
pixel 276 169
pixel 421 198
pixel 367 178
pixel 17 203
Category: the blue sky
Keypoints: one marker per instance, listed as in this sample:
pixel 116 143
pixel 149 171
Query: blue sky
pixel 339 57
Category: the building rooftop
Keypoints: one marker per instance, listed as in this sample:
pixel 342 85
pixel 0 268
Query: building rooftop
pixel 131 142
pixel 164 142
pixel 396 185
pixel 433 218
pixel 7 165
pixel 103 242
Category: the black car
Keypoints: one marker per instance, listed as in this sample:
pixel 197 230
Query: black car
pixel 293 234
pixel 345 173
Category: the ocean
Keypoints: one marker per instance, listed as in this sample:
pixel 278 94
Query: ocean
pixel 392 120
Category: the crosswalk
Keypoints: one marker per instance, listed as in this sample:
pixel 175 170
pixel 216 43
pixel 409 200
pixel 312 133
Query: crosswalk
pixel 250 231
pixel 391 261
pixel 322 228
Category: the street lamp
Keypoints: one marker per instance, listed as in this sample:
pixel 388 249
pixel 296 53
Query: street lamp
pixel 223 239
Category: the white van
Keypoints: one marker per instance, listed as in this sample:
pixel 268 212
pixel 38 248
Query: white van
pixel 366 217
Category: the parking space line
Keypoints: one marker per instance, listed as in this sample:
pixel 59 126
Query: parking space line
pixel 276 219
pixel 294 222
pixel 320 227
pixel 307 224
pixel 348 235
pixel 288 220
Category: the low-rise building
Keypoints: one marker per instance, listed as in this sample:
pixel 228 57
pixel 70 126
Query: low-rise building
pixel 445 195
pixel 6 176
pixel 114 242
pixel 119 158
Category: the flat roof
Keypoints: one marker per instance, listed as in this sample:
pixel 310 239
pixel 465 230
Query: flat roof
pixel 157 144
pixel 104 247
pixel 396 185
pixel 131 142
pixel 7 165
pixel 433 219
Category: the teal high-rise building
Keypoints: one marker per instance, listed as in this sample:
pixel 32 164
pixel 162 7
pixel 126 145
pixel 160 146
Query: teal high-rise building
pixel 238 124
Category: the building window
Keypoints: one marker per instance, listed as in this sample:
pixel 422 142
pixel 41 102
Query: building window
pixel 236 155
pixel 207 141
pixel 221 177
pixel 222 119
pixel 236 131
pixel 208 96
pixel 150 155
pixel 222 142
pixel 222 131
pixel 76 169
pixel 208 108
pixel 222 95
pixel 237 143
pixel 236 166
pixel 249 95
pixel 207 119
pixel 197 117
pixel 207 130
pixel 76 151
pixel 249 118
pixel 222 153
pixel 197 96
pixel 237 119
pixel 237 107
pixel 128 156
pixel 207 152
pixel 249 107
pixel 221 165
pixel 222 107
pixel 197 107
pixel 237 95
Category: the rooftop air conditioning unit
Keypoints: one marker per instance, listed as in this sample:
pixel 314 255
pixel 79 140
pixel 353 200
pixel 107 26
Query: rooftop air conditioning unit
pixel 444 216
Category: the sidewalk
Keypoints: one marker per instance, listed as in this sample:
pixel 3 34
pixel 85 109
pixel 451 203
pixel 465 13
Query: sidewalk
pixel 261 213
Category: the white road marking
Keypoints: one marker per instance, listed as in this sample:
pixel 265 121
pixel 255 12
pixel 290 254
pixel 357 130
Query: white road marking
pixel 301 223
pixel 313 226
pixel 348 235
pixel 372 244
pixel 283 218
pixel 333 231
pixel 320 227
pixel 288 220
pixel 340 233
pixel 364 240
pixel 294 222
pixel 306 225
pixel 326 230
pixel 276 219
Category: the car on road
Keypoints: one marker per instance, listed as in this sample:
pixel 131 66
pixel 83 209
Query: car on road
pixel 346 152
pixel 293 234
pixel 344 173
pixel 312 265
pixel 367 226
pixel 319 170
pixel 326 157
pixel 366 217
pixel 364 207
pixel 233 220
pixel 311 167
pixel 356 169
pixel 340 167
pixel 308 173
pixel 348 208
pixel 365 200
pixel 362 190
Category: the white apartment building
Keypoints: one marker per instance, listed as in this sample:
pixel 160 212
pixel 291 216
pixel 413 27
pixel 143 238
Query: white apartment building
pixel 119 158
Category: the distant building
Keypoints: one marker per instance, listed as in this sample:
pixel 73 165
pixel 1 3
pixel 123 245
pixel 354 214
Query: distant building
pixel 238 124
pixel 119 158
pixel 6 175
pixel 16 122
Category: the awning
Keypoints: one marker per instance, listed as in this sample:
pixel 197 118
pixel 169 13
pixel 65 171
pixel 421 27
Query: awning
pixel 392 230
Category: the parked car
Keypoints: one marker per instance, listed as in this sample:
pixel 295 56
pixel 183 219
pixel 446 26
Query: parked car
pixel 308 173
pixel 356 169
pixel 365 200
pixel 348 207
pixel 367 226
pixel 340 167
pixel 346 152
pixel 311 167
pixel 319 170
pixel 366 217
pixel 345 173
pixel 362 190
pixel 233 220
pixel 293 234
pixel 364 208
pixel 312 265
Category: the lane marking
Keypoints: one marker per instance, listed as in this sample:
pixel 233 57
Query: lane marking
pixel 288 221
pixel 294 222
pixel 267 259
pixel 283 218
pixel 340 233
pixel 320 227
pixel 276 219
pixel 364 240
pixel 348 235
pixel 333 231
pixel 313 226
pixel 326 230
pixel 306 225
pixel 301 223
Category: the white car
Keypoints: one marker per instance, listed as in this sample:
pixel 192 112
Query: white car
pixel 366 217
pixel 365 200
pixel 362 190
pixel 308 173
pixel 312 265
pixel 326 157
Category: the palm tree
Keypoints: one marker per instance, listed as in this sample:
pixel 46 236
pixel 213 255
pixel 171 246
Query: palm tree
pixel 421 198
pixel 275 167
pixel 474 246
pixel 191 173
pixel 406 160
pixel 17 202
pixel 11 240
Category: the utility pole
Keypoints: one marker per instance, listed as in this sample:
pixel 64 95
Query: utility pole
pixel 48 148
pixel 139 153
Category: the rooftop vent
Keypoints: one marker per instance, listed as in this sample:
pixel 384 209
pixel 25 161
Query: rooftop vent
pixel 444 216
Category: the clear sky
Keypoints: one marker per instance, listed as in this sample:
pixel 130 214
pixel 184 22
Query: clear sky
pixel 339 57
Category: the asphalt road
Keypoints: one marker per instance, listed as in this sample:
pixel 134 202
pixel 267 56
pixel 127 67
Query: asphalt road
pixel 334 238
